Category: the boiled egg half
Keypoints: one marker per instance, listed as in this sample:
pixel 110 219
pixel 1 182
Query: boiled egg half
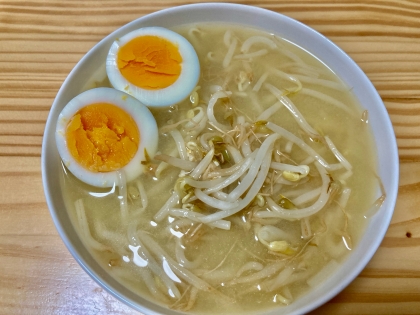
pixel 102 131
pixel 155 65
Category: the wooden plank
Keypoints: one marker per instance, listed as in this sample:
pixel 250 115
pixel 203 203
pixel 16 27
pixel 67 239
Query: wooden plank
pixel 42 40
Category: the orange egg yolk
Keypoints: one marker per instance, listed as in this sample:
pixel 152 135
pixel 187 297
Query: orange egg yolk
pixel 102 137
pixel 150 62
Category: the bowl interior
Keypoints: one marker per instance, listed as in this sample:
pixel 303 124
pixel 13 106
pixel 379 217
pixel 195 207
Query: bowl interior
pixel 280 25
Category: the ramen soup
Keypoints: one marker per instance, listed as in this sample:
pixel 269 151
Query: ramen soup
pixel 260 187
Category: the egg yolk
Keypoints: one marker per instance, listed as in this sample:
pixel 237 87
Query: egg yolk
pixel 150 62
pixel 102 137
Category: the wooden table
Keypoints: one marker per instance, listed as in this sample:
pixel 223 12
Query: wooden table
pixel 41 41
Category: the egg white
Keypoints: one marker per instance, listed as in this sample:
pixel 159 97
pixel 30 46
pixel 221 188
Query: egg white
pixel 175 93
pixel 139 112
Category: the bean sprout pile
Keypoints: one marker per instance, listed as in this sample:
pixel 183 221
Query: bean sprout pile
pixel 236 206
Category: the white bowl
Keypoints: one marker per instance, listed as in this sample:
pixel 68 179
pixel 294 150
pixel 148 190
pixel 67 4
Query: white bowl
pixel 285 27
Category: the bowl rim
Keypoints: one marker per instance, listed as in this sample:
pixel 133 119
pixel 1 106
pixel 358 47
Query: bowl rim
pixel 240 9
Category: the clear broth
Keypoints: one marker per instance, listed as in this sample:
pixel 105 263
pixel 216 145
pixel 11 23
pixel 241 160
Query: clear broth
pixel 222 252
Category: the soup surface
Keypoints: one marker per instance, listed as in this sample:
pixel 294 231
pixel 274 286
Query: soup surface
pixel 259 190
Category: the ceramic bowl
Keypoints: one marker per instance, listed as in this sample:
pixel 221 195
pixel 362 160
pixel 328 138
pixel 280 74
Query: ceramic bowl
pixel 280 25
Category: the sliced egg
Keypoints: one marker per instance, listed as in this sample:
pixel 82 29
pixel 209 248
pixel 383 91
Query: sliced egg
pixel 102 131
pixel 157 66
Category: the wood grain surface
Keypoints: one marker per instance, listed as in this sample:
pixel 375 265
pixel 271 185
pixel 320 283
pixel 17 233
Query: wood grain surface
pixel 41 41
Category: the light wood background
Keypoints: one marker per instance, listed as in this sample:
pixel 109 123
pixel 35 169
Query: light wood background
pixel 41 41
